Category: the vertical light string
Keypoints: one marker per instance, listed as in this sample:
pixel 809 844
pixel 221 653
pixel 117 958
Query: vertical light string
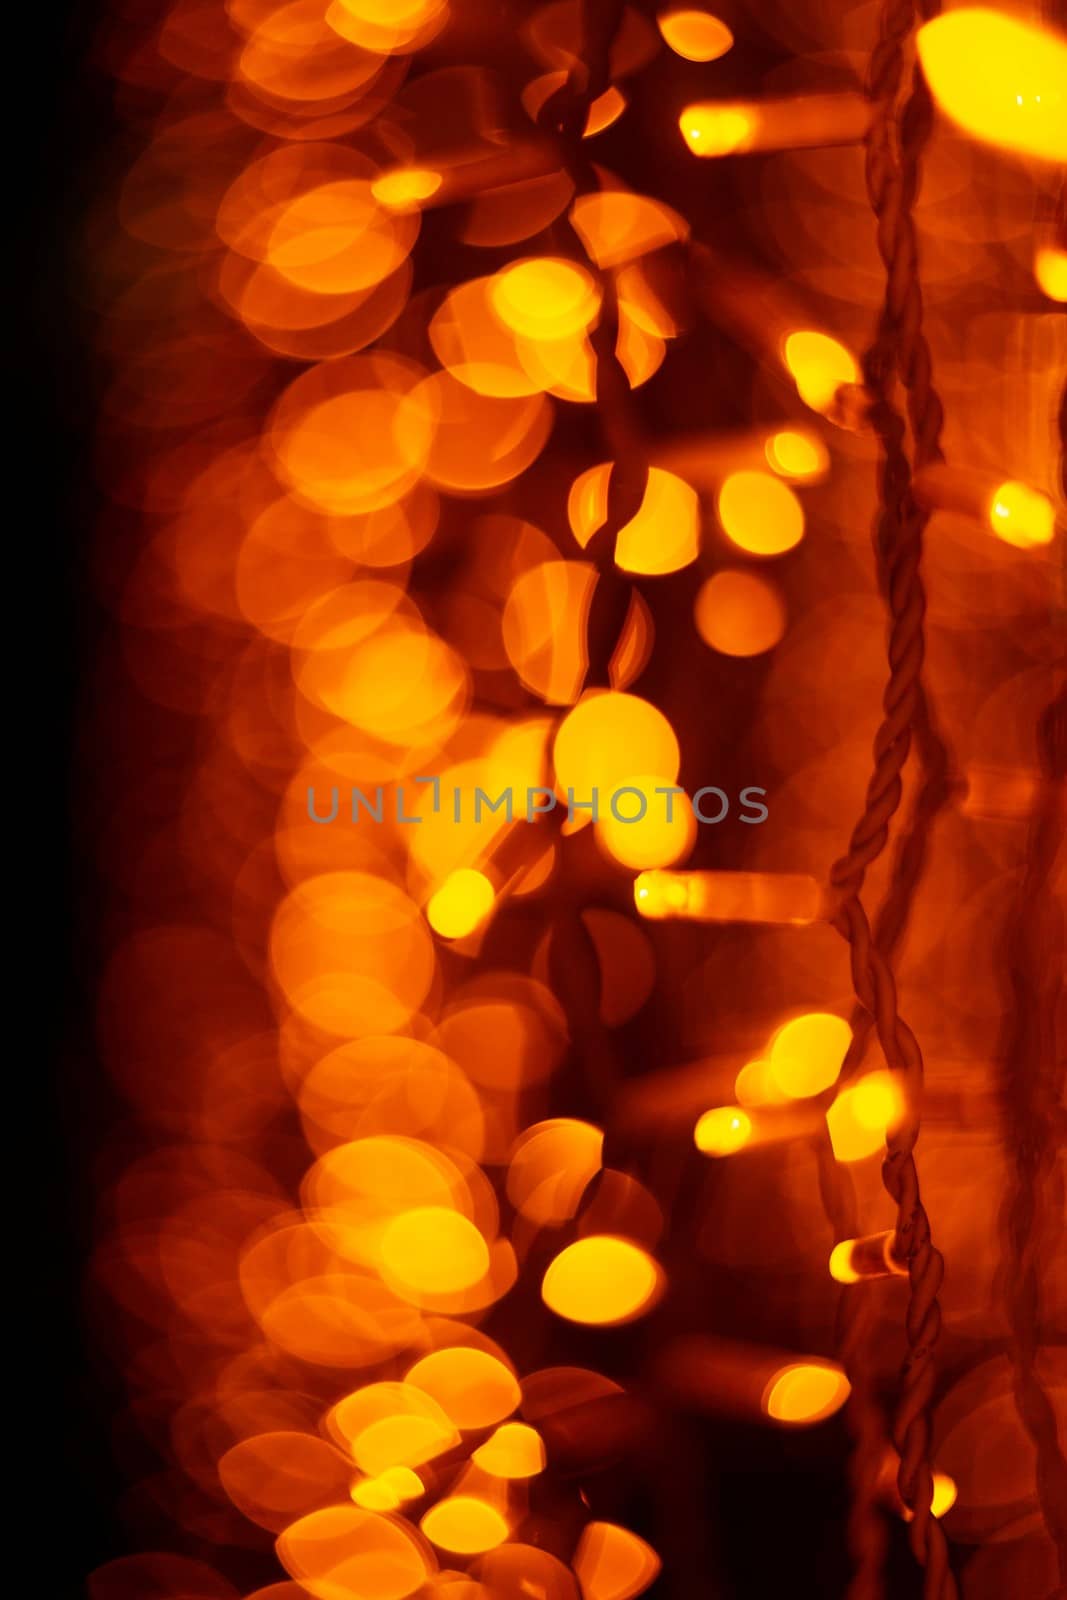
pixel 896 139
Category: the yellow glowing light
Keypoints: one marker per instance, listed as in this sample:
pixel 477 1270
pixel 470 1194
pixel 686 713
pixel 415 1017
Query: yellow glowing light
pixel 696 35
pixel 344 1551
pixel 861 1115
pixel 600 1280
pixel 944 1496
pixel 405 188
pixel 640 827
pixel 389 1490
pixel 433 1250
pixel 841 1268
pixel 738 614
pixel 807 1053
pixel 722 1131
pixel 760 514
pixel 605 109
pixel 1002 80
pixel 711 130
pixel 544 298
pixel 1050 270
pixel 1021 516
pixel 604 737
pixel 796 455
pixel 513 1451
pixel 461 904
pixel 787 897
pixel 662 537
pixel 464 1525
pixel 819 366
pixel 391 1425
pixel 374 1495
pixel 854 1260
pixel 755 1085
pixel 611 1563
pixel 473 1388
pixel 806 1392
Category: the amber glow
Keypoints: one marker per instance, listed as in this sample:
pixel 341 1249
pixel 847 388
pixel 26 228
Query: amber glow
pixel 638 829
pixel 806 1054
pixel 1002 80
pixel 722 1131
pixel 434 1251
pixel 601 1280
pixel 721 128
pixel 545 299
pixel 760 513
pixel 389 1490
pixel 862 1114
pixel 728 896
pixel 406 187
pixel 855 1260
pixel 513 1451
pixel 820 366
pixel 471 1386
pixel 696 35
pixel 461 904
pixel 569 795
pixel 806 1393
pixel 664 535
pixel 464 1525
pixel 1050 270
pixel 797 455
pixel 612 1563
pixel 1021 516
pixel 347 1551
pixel 739 614
pixel 711 130
pixel 605 737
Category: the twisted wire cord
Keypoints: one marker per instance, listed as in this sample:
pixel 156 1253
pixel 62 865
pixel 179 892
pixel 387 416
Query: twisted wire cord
pixel 1032 1083
pixel 894 149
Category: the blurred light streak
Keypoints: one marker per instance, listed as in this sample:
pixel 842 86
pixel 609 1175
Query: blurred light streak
pixel 858 1260
pixel 1017 513
pixel 736 127
pixel 750 1382
pixel 771 897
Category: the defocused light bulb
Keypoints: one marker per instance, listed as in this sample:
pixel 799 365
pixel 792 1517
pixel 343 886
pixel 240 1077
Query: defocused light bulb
pixel 862 1114
pixel 695 35
pixel 405 188
pixel 732 127
pixel 464 1525
pixel 856 1260
pixel 1050 270
pixel 711 130
pixel 807 1053
pixel 1014 511
pixel 601 1280
pixel 515 1450
pixel 545 298
pixel 722 1131
pixel 820 367
pixel 793 454
pixel 1001 80
pixel 1021 516
pixel 806 1393
pixel 461 904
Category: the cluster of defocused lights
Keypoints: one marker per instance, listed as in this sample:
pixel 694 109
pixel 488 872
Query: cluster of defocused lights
pixel 296 420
